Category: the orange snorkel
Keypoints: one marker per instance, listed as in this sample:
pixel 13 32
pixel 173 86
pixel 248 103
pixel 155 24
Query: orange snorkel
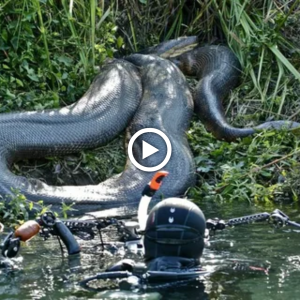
pixel 147 195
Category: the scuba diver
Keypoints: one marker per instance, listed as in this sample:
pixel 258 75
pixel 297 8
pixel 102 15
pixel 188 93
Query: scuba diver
pixel 173 245
pixel 174 233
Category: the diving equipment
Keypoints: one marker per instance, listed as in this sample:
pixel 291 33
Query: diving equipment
pixel 147 195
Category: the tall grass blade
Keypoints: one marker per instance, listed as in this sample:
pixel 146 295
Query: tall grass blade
pixel 284 61
pixel 93 24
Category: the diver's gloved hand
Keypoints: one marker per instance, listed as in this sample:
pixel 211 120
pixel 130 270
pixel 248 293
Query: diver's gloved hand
pixel 132 282
pixel 172 263
pixel 129 284
pixel 128 265
pixel 122 265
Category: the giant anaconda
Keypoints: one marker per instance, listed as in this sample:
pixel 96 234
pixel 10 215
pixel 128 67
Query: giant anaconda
pixel 143 90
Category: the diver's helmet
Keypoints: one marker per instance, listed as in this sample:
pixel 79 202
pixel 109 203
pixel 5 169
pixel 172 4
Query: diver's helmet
pixel 175 227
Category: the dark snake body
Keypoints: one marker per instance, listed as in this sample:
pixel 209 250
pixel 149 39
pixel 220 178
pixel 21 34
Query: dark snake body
pixel 218 71
pixel 102 113
pixel 112 101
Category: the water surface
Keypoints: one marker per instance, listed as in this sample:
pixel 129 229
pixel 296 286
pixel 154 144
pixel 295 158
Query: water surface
pixel 45 274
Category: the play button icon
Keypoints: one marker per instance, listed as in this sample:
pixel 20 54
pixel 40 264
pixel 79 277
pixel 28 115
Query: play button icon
pixel 148 149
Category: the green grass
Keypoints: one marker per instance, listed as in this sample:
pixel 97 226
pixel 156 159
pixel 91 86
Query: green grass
pixel 258 169
pixel 51 50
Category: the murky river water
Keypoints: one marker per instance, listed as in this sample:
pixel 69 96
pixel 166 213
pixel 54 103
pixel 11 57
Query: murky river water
pixel 44 274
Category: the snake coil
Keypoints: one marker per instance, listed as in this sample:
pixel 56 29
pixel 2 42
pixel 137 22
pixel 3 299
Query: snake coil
pixel 140 91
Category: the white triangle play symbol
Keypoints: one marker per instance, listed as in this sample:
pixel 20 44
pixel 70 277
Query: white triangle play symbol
pixel 148 149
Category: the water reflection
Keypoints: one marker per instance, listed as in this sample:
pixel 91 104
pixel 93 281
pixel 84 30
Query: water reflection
pixel 44 274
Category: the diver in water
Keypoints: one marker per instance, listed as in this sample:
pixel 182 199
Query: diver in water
pixel 174 236
pixel 174 233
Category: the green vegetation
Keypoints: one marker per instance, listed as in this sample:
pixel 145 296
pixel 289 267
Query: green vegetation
pixel 51 49
pixel 253 169
pixel 17 209
pixel 263 34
